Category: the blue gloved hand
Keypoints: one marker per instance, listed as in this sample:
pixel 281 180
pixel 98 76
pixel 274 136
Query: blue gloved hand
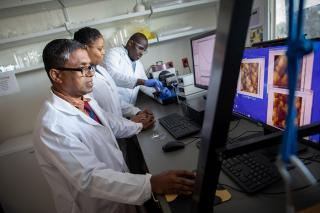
pixel 166 93
pixel 154 83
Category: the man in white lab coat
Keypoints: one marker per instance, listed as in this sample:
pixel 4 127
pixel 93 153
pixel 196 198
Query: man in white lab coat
pixel 123 64
pixel 76 147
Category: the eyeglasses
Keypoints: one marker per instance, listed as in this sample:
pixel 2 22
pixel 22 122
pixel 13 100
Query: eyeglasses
pixel 85 71
pixel 140 47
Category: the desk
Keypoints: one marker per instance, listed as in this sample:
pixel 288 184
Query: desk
pixel 157 161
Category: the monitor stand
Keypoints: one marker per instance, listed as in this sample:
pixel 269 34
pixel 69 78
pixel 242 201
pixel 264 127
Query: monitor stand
pixel 195 109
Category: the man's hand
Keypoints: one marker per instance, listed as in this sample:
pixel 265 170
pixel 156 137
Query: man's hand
pixel 147 120
pixel 165 93
pixel 173 182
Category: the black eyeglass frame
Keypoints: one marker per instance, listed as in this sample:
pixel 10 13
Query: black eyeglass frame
pixel 83 70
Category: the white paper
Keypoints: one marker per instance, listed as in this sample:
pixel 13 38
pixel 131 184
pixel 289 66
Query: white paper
pixel 8 83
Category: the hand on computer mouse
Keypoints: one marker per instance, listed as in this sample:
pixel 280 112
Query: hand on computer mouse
pixel 173 182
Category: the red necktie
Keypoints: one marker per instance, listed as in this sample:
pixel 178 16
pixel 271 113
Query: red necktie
pixel 91 113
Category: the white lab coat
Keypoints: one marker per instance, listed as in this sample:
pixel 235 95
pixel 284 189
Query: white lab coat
pixel 119 66
pixel 82 162
pixel 106 94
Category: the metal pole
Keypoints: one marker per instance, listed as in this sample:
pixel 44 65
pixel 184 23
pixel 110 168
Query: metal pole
pixel 233 21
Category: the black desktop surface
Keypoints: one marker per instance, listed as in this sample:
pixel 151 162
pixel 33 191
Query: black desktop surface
pixel 272 199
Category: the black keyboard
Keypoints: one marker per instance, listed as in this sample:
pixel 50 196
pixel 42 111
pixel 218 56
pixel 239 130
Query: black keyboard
pixel 179 126
pixel 252 171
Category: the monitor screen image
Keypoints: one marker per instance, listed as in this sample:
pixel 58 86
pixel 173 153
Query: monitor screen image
pixel 262 89
pixel 202 53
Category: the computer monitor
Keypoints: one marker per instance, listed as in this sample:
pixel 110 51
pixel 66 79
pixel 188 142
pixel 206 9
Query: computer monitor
pixel 202 47
pixel 262 89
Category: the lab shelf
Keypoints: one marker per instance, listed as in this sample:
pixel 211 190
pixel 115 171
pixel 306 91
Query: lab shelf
pixel 12 8
pixel 15 7
pixel 181 8
pixel 183 34
pixel 106 22
pixel 151 42
pixel 31 68
pixel 32 37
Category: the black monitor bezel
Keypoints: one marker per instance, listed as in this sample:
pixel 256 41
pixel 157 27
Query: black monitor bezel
pixel 209 33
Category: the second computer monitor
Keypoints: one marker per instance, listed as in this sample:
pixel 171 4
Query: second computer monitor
pixel 202 47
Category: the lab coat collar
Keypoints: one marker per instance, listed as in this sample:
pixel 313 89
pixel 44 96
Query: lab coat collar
pixel 68 108
pixel 125 50
pixel 128 60
pixel 100 76
pixel 99 72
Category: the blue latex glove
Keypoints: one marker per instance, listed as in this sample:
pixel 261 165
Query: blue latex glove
pixel 166 93
pixel 154 83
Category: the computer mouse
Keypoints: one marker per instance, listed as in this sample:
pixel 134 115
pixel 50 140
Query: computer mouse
pixel 173 146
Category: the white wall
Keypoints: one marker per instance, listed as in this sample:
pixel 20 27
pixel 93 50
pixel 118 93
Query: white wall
pixel 173 50
pixel 18 111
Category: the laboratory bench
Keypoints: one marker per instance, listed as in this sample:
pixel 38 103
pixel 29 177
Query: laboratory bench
pixel 18 165
pixel 271 199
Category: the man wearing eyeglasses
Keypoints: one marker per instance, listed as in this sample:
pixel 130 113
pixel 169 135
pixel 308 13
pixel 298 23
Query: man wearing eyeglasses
pixel 123 63
pixel 76 147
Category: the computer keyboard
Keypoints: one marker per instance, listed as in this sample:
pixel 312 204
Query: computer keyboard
pixel 179 126
pixel 252 171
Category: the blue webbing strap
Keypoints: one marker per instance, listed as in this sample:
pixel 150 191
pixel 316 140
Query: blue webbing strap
pixel 298 46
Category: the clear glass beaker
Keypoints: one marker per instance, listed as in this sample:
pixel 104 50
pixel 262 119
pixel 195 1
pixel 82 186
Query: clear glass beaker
pixel 157 133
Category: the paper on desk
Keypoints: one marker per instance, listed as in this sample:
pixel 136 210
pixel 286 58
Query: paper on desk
pixel 8 83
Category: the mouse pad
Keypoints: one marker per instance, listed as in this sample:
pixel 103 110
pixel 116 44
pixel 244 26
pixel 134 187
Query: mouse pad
pixel 222 195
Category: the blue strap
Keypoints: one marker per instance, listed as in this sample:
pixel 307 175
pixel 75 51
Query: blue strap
pixel 298 46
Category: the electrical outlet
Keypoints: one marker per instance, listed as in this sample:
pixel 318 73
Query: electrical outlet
pixel 185 62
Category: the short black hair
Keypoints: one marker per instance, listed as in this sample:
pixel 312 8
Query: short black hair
pixel 87 35
pixel 138 37
pixel 56 53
